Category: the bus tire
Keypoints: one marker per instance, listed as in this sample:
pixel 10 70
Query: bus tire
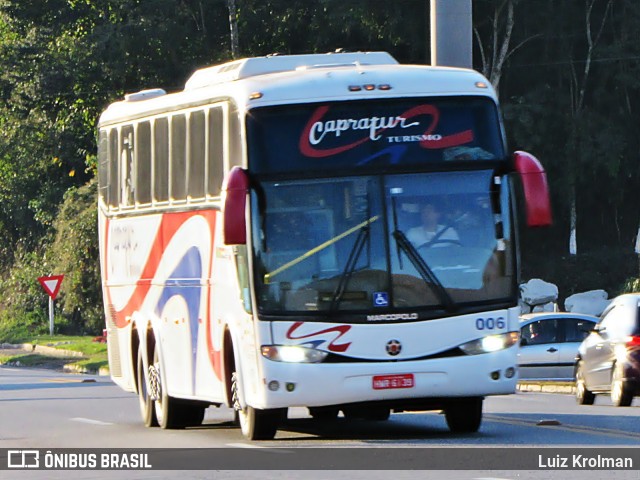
pixel 147 410
pixel 464 416
pixel 167 409
pixel 255 424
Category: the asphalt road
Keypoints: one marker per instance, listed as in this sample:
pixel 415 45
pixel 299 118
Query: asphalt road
pixel 48 410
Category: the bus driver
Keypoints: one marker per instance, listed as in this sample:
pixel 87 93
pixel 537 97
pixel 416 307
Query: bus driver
pixel 430 230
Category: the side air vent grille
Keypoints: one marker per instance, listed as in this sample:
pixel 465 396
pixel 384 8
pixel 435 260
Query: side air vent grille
pixel 113 343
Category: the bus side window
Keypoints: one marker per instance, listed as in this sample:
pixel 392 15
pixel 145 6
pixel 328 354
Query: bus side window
pixel 196 147
pixel 178 164
pixel 161 160
pixel 234 137
pixel 126 166
pixel 215 154
pixel 242 268
pixel 103 167
pixel 143 164
pixel 114 159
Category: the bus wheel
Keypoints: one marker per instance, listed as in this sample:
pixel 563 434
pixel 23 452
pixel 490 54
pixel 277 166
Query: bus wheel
pixel 168 411
pixel 464 416
pixel 255 424
pixel 147 410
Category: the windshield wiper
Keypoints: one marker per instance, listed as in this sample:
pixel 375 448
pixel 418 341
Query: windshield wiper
pixel 354 255
pixel 423 269
pixel 268 277
pixel 418 262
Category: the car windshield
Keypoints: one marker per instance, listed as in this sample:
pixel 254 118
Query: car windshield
pixel 383 243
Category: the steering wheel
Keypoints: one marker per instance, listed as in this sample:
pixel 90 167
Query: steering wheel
pixel 437 241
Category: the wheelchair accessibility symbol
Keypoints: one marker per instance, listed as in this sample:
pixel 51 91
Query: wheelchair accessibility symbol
pixel 380 299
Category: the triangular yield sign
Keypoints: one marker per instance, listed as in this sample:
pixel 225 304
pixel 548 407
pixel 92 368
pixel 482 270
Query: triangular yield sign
pixel 51 285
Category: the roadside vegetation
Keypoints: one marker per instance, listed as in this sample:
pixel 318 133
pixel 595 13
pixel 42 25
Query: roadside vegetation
pixel 79 354
pixel 567 74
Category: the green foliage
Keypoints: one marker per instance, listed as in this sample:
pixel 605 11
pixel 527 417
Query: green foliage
pixel 17 326
pixel 63 61
pixel 632 285
pixel 25 310
pixel 94 354
pixel 72 250
pixel 21 291
pixel 284 27
pixel 30 360
pixel 74 253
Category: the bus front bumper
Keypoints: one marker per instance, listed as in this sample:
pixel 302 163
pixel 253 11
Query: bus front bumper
pixel 314 385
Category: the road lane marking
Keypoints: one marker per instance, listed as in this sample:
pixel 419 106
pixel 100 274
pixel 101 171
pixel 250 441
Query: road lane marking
pixel 244 445
pixel 567 427
pixel 259 447
pixel 90 421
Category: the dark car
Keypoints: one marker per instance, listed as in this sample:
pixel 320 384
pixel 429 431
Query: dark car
pixel 549 344
pixel 608 359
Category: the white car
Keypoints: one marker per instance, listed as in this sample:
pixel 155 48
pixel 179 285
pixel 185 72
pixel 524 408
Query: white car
pixel 549 344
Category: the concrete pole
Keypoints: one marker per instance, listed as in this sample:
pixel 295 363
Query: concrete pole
pixel 451 33
pixel 50 316
pixel 233 28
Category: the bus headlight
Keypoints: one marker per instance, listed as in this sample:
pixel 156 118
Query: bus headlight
pixel 490 343
pixel 292 354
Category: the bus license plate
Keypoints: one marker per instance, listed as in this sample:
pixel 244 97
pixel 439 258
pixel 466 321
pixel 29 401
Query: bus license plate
pixel 383 382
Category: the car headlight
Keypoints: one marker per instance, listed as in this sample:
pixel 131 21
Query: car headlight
pixel 490 343
pixel 292 354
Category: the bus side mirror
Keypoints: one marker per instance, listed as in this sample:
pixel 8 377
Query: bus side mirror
pixel 536 189
pixel 234 207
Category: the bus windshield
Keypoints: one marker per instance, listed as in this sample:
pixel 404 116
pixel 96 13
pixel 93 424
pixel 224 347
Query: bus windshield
pixel 422 241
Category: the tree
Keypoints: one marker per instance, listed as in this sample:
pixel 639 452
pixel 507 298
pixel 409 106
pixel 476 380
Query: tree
pixel 74 253
pixel 568 75
pixel 321 26
pixel 493 57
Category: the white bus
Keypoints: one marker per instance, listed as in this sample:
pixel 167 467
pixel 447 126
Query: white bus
pixel 331 231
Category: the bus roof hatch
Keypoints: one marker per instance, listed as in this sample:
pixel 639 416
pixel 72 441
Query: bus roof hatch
pixel 250 67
